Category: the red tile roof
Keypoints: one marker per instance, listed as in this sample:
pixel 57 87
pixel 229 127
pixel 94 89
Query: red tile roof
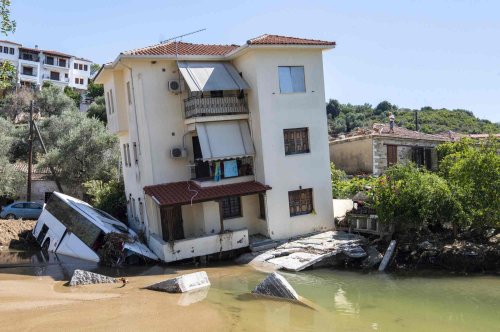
pixel 57 53
pixel 9 42
pixel 283 40
pixel 181 48
pixel 401 132
pixel 187 192
pixel 37 173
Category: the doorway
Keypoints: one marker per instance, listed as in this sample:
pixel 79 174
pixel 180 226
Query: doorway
pixel 171 223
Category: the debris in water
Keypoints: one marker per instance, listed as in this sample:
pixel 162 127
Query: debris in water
pixel 185 283
pixel 387 256
pixel 81 277
pixel 275 285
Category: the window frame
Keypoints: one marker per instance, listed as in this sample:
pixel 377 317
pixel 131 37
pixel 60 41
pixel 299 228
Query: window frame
pixel 297 202
pixel 230 210
pixel 292 142
pixel 293 84
pixel 12 51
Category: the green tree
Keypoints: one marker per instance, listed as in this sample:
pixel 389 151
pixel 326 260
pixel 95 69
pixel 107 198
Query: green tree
pixel 333 108
pixel 411 197
pixel 94 68
pixel 94 90
pixel 80 148
pixel 8 25
pixel 74 95
pixel 10 178
pixel 51 100
pixel 7 75
pixel 15 103
pixel 473 171
pixel 108 196
pixel 98 109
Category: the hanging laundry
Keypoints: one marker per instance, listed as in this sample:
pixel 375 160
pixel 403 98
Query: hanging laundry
pixel 217 175
pixel 230 168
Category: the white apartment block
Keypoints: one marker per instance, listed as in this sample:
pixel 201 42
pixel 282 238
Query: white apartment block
pixel 222 142
pixel 35 66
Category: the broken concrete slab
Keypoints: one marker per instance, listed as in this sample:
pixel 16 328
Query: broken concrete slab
pixel 299 261
pixel 373 257
pixel 387 256
pixel 275 285
pixel 81 277
pixel 185 283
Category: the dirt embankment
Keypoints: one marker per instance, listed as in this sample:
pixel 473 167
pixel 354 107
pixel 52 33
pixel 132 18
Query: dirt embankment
pixel 16 233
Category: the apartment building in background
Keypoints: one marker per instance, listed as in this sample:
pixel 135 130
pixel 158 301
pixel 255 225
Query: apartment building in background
pixel 35 66
pixel 222 142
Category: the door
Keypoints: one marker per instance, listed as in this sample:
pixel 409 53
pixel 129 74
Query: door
pixel 171 223
pixel 428 159
pixel 392 155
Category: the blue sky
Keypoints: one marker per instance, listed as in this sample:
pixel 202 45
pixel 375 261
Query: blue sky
pixel 413 53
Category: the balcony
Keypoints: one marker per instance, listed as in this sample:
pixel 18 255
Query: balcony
pixel 215 106
pixel 55 79
pixel 56 64
pixel 204 172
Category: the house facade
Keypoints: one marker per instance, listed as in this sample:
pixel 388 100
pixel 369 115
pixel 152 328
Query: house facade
pixel 373 151
pixel 221 142
pixel 35 66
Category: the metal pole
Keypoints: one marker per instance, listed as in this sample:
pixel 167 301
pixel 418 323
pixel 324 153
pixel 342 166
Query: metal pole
pixel 30 154
pixel 416 120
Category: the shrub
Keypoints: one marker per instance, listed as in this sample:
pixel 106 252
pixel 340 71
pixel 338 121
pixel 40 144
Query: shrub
pixel 108 196
pixel 345 187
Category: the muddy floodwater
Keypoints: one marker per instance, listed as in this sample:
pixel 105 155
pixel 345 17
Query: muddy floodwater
pixel 33 297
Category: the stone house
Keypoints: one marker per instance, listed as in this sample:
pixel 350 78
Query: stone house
pixel 373 151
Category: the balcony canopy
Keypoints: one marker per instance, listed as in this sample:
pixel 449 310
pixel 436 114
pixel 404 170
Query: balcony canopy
pixel 225 139
pixel 211 76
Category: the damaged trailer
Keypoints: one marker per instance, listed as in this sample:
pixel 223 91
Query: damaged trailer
pixel 74 228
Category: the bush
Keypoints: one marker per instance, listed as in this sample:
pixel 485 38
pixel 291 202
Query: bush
pixel 108 196
pixel 472 170
pixel 98 110
pixel 412 197
pixel 345 187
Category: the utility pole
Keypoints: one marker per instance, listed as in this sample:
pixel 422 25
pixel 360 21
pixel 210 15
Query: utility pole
pixel 416 120
pixel 30 154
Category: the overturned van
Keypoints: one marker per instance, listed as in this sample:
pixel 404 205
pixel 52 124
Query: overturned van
pixel 74 228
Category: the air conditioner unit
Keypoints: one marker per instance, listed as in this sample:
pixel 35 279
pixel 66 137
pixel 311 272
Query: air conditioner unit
pixel 175 86
pixel 178 153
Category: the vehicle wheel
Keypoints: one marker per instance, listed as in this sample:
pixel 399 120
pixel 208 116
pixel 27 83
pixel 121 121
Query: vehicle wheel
pixel 10 216
pixel 45 246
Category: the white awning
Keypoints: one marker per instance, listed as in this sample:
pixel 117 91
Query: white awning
pixel 225 139
pixel 211 76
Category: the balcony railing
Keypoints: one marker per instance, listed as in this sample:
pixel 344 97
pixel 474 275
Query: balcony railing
pixel 27 73
pixel 213 106
pixel 205 170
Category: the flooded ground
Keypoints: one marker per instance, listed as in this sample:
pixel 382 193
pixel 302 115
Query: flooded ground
pixel 33 297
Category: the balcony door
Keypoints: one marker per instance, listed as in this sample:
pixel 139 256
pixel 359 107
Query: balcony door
pixel 171 223
pixel 202 168
pixel 54 75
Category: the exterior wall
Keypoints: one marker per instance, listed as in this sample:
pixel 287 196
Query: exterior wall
pixel 353 155
pixel 40 187
pixel 404 149
pixel 80 74
pixel 271 112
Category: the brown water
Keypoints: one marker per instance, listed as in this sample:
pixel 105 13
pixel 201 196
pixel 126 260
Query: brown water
pixel 33 297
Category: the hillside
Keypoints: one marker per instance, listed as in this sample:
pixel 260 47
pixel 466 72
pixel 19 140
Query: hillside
pixel 343 118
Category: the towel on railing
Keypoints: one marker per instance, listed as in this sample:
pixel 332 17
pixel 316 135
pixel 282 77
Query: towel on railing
pixel 230 168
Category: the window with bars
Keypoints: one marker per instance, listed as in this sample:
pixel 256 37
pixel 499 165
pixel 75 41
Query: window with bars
pixel 231 207
pixel 296 141
pixel 300 202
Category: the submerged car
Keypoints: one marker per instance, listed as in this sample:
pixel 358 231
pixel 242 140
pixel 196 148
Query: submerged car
pixel 22 210
pixel 74 228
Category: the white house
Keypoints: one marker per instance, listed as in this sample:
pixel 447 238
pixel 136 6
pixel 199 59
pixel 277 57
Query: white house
pixel 35 66
pixel 221 142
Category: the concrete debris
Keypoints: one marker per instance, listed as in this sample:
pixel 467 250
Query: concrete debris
pixel 373 257
pixel 81 277
pixel 301 253
pixel 185 283
pixel 275 285
pixel 387 256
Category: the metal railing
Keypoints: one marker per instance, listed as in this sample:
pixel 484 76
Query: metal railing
pixel 212 106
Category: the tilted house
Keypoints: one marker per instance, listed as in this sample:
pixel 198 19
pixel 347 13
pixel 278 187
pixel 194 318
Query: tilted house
pixel 373 151
pixel 221 142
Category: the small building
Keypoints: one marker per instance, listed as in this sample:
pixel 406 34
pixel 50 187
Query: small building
pixel 221 142
pixel 372 151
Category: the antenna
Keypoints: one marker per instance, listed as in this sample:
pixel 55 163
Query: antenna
pixel 186 34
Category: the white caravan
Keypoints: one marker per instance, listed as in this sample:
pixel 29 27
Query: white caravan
pixel 72 227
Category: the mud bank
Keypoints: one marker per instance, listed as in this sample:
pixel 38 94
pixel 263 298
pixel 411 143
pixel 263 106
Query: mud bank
pixel 17 234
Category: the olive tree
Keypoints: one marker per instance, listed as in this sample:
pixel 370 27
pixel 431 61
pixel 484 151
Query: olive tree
pixel 10 178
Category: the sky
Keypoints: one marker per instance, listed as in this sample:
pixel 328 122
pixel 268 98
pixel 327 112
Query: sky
pixel 412 53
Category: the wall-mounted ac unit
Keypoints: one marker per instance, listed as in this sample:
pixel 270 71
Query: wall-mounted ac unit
pixel 175 86
pixel 178 153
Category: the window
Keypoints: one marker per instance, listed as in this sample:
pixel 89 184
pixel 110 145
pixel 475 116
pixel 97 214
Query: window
pixel 80 66
pixel 292 79
pixel 112 105
pixel 11 50
pixel 6 49
pixel 49 60
pixel 75 222
pixel 85 67
pixel 136 157
pixel 62 62
pixel 81 81
pixel 422 157
pixel 262 206
pixel 76 80
pixel 27 71
pixel 18 206
pixel 126 155
pixel 129 94
pixel 296 141
pixel 231 207
pixel 392 155
pixel 300 202
pixel 65 75
pixel 28 56
pixel 54 75
pixel 108 109
pixel 75 65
